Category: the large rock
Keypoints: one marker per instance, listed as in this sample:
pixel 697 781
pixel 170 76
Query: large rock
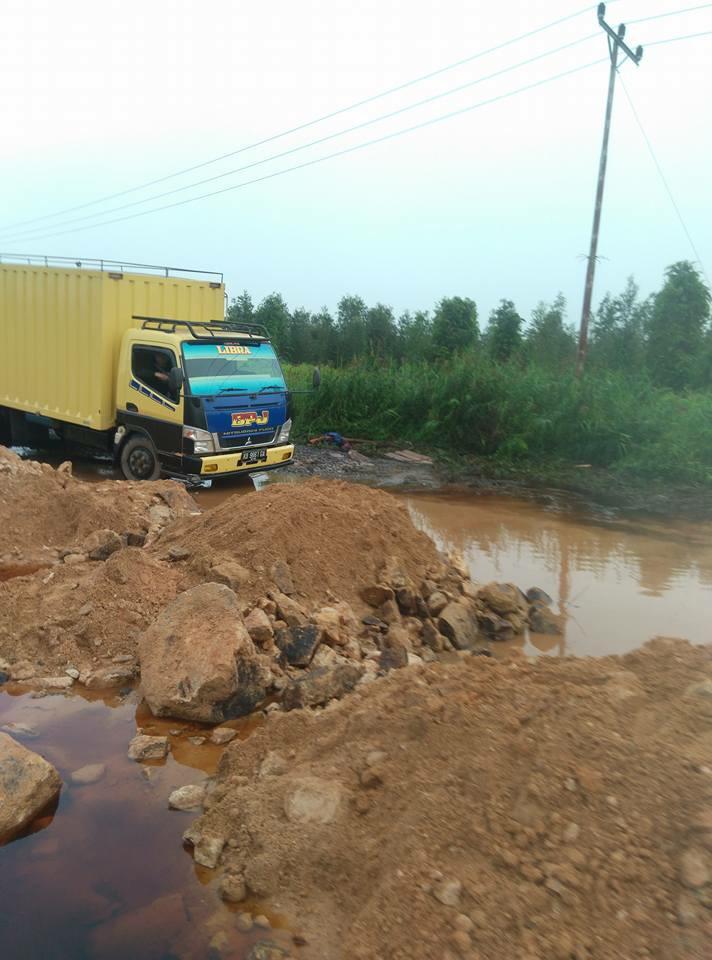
pixel 542 620
pixel 322 684
pixel 458 623
pixel 198 661
pixel 506 599
pixel 299 644
pixel 27 784
pixel 288 610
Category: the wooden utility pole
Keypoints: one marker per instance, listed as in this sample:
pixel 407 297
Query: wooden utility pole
pixel 615 43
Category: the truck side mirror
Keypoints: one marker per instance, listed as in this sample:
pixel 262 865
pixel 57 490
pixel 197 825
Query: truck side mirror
pixel 316 378
pixel 175 380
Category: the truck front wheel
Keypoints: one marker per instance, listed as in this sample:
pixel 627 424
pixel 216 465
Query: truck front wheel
pixel 139 460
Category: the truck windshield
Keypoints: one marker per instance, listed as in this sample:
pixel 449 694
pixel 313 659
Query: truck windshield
pixel 214 368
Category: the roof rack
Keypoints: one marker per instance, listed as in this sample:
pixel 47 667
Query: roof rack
pixel 109 266
pixel 213 329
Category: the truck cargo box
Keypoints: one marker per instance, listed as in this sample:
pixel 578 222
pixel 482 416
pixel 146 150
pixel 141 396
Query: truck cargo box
pixel 61 329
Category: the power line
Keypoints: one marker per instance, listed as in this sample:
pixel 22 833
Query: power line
pixel 28 234
pixel 687 36
pixel 664 181
pixel 303 126
pixel 338 153
pixel 672 13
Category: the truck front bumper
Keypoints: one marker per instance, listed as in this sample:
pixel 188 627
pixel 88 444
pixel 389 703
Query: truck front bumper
pixel 230 464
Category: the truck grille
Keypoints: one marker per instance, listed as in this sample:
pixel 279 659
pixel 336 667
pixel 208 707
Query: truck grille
pixel 257 438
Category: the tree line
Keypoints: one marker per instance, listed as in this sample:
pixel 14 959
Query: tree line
pixel 667 335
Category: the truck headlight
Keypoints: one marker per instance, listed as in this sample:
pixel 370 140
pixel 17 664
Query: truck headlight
pixel 283 435
pixel 203 441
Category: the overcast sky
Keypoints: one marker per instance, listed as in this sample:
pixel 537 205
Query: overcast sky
pixel 97 98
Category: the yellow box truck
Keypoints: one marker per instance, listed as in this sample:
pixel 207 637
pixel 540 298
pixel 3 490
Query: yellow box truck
pixel 138 361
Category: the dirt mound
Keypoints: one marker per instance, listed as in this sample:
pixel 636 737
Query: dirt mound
pixel 328 537
pixel 483 809
pixel 87 616
pixel 42 509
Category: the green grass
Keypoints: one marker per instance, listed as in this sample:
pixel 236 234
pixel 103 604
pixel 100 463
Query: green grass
pixel 471 406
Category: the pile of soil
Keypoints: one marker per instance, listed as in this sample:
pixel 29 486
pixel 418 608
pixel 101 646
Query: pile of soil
pixel 73 593
pixel 559 808
pixel 43 509
pixel 84 616
pixel 333 537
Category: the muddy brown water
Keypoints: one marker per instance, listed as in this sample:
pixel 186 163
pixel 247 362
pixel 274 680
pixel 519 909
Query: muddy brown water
pixel 77 885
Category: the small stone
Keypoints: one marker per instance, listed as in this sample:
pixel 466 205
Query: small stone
pixel 389 612
pixel 100 544
pixel 686 910
pixel 288 610
pixel 135 538
pixel 405 599
pixel 460 939
pixel 537 595
pixel 233 888
pixel 262 921
pixel 259 626
pixel 207 851
pixel 197 741
pixel 591 780
pixel 53 683
pixel 230 574
pixel 222 735
pixel 312 800
pixel 459 625
pixel 176 554
pixel 571 832
pixel 243 922
pixel 448 892
pixel 544 621
pixel 189 797
pixel 75 558
pixel 72 672
pixel 377 595
pixel 463 922
pixel 91 773
pixel 219 943
pixel 299 644
pixel 555 886
pixel 144 747
pixel 282 577
pixel 273 765
pixel 695 868
pixel 371 777
pixel 436 603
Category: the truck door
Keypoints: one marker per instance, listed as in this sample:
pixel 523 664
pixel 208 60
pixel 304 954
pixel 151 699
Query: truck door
pixel 144 398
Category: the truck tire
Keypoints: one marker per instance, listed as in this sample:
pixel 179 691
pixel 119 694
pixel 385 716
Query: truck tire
pixel 139 460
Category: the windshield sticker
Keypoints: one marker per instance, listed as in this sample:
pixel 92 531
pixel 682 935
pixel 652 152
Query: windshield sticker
pixel 245 418
pixel 233 348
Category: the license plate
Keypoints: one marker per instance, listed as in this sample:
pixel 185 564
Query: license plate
pixel 253 456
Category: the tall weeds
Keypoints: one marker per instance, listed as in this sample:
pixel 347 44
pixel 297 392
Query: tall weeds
pixel 472 405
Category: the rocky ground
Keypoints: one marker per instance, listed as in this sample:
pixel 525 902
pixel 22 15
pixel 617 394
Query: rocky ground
pixel 363 465
pixel 409 796
pixel 481 809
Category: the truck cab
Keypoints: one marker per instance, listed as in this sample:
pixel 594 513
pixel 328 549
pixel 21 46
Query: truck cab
pixel 199 400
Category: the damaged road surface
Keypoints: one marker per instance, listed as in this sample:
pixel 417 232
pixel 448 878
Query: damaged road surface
pixel 402 792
